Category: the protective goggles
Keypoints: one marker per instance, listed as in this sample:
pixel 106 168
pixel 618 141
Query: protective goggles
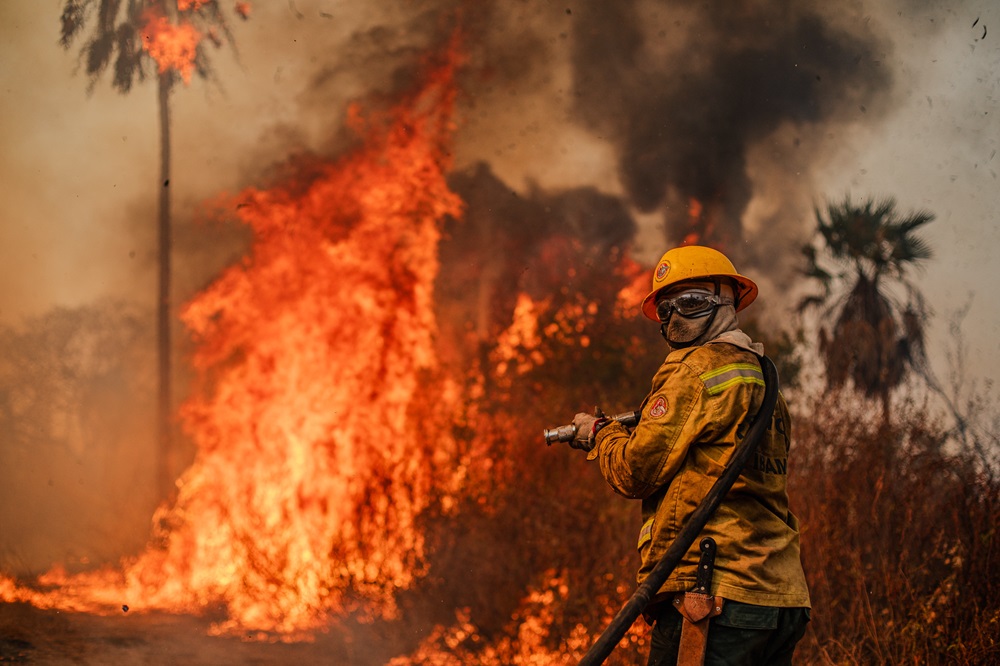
pixel 691 304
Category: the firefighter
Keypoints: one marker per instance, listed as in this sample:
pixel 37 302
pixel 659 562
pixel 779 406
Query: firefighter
pixel 702 400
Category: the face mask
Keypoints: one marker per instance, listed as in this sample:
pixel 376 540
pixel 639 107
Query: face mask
pixel 694 315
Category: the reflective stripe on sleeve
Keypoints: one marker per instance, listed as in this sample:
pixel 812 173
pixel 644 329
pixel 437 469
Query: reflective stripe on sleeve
pixel 718 380
pixel 646 533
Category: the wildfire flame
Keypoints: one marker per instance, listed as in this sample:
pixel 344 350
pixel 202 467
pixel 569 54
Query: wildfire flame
pixel 696 223
pixel 322 424
pixel 173 47
pixel 516 346
pixel 190 5
pixel 533 637
pixel 631 295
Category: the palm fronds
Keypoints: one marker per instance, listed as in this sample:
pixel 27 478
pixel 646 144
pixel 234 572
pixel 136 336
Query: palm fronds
pixel 873 340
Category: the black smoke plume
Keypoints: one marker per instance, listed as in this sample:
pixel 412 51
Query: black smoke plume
pixel 686 89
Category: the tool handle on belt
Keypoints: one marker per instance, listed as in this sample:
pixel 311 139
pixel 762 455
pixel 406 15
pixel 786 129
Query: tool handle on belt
pixel 633 608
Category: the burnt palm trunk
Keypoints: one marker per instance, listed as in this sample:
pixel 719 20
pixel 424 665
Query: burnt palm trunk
pixel 163 403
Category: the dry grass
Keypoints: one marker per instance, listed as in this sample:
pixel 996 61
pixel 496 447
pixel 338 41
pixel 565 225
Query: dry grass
pixel 899 541
pixel 898 534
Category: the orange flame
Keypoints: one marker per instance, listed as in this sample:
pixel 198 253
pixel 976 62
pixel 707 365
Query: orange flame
pixel 322 430
pixel 535 635
pixel 173 47
pixel 190 5
pixel 695 223
pixel 630 296
pixel 516 346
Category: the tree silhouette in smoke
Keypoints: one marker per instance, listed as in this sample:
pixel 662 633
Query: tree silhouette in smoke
pixel 169 33
pixel 874 339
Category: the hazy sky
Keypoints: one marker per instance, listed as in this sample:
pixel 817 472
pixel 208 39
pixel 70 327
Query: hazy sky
pixel 79 172
pixel 940 151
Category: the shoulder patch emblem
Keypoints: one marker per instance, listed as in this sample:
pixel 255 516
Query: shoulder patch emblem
pixel 658 408
pixel 662 270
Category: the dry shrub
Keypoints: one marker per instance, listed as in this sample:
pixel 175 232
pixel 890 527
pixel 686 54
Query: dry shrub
pixel 899 538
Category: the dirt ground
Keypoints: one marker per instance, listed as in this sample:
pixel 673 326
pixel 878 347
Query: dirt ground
pixel 32 636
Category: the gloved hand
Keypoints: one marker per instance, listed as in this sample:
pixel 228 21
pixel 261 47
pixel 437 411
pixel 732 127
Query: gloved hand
pixel 584 431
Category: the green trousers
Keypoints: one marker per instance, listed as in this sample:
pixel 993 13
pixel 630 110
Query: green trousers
pixel 743 635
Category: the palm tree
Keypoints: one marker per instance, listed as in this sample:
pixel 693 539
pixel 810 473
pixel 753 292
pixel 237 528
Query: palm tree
pixel 131 34
pixel 873 338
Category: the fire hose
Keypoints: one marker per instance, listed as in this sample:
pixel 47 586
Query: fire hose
pixel 607 641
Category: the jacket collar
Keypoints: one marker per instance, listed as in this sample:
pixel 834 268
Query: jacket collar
pixel 738 338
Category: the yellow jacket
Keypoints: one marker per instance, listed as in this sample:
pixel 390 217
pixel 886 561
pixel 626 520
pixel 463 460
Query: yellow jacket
pixel 701 404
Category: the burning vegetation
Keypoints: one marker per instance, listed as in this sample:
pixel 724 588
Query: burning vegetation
pixel 373 380
pixel 172 46
pixel 336 450
pixel 322 425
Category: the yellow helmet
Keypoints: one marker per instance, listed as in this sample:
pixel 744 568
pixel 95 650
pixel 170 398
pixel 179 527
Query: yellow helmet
pixel 694 262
